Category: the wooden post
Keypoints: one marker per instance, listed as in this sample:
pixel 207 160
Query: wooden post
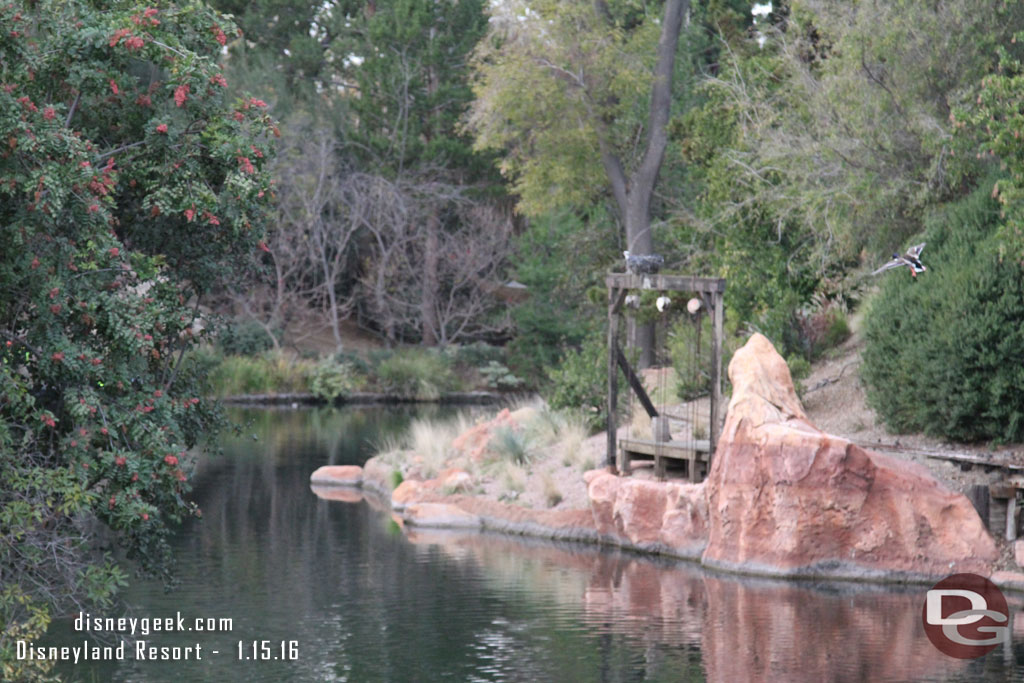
pixel 615 299
pixel 1011 517
pixel 717 315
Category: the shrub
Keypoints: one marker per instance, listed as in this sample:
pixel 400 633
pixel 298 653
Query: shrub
pixel 243 338
pixel 820 329
pixel 331 380
pixel 498 376
pixel 355 362
pixel 513 445
pixel 415 374
pixel 799 370
pixel 945 353
pixel 580 382
pixel 475 355
pixel 692 382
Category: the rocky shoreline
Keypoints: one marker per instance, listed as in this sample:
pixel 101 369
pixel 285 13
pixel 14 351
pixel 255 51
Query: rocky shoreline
pixel 782 499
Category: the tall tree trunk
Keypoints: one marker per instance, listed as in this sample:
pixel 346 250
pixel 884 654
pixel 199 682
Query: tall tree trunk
pixel 633 194
pixel 428 297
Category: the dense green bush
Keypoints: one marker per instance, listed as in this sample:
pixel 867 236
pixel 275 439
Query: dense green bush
pixel 331 380
pixel 945 353
pixel 243 338
pixel 474 355
pixel 580 382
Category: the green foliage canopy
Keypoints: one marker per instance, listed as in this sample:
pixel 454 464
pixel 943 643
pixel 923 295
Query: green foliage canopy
pixel 128 186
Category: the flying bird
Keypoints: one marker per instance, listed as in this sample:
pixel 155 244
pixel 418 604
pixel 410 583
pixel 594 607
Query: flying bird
pixel 643 264
pixel 911 259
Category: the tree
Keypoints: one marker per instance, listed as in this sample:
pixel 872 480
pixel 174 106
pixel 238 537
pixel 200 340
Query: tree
pixel 561 88
pixel 394 76
pixel 129 185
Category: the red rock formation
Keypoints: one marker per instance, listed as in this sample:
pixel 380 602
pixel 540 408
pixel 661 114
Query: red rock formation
pixel 666 517
pixel 786 498
pixel 338 475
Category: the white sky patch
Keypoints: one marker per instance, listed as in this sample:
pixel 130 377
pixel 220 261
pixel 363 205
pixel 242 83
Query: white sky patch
pixel 759 10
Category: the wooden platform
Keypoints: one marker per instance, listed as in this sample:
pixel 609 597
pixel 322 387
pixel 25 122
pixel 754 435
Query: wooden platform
pixel 694 453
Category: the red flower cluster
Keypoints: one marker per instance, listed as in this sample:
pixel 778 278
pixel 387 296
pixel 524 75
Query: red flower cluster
pixel 219 35
pixel 162 128
pixel 147 17
pixel 171 460
pixel 118 35
pixel 218 79
pixel 181 94
pixel 245 165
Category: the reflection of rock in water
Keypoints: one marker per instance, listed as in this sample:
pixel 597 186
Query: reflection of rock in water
pixel 774 631
pixel 742 629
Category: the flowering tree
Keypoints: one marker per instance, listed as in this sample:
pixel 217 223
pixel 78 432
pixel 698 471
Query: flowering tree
pixel 129 185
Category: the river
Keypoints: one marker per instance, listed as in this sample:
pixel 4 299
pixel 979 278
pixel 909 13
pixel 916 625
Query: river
pixel 328 590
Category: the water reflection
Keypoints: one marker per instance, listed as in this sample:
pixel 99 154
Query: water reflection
pixel 744 629
pixel 369 601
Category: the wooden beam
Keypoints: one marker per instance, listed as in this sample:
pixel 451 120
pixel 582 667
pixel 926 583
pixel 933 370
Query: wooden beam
pixel 1011 518
pixel 717 343
pixel 673 283
pixel 635 383
pixel 614 304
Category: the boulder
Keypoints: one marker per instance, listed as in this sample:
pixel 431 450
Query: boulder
pixel 406 493
pixel 337 475
pixel 785 498
pixel 665 517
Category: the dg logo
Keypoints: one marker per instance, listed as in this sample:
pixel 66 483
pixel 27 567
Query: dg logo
pixel 966 616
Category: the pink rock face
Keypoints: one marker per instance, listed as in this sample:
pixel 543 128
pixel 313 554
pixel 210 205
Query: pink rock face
pixel 473 442
pixel 440 515
pixel 338 475
pixel 786 498
pixel 668 517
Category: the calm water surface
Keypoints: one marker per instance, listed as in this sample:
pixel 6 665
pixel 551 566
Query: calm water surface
pixel 366 601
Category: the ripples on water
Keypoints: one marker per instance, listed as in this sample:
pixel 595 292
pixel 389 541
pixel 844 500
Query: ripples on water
pixel 367 601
